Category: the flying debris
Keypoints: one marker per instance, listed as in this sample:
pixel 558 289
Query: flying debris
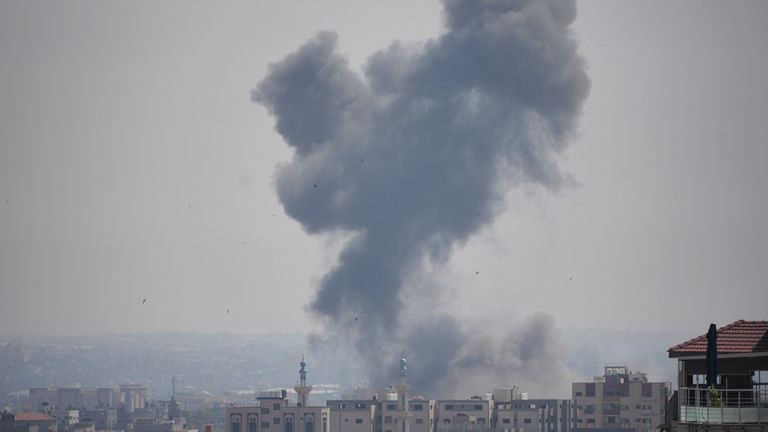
pixel 144 301
pixel 314 184
pixel 570 278
pixel 477 273
pixel 227 311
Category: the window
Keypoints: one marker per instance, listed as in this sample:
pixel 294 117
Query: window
pixel 578 393
pixel 288 424
pixel 481 420
pixel 391 406
pixel 590 421
pixel 276 420
pixel 235 422
pixel 527 421
pixel 609 419
pixel 505 421
pixel 265 425
pixel 387 419
pixel 265 410
pixel 590 388
pixel 276 407
pixel 419 421
pixel 418 407
pixel 447 421
pixel 478 407
pixel 449 407
pixel 360 406
pixel 359 421
pixel 253 423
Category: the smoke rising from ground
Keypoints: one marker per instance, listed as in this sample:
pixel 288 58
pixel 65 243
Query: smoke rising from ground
pixel 413 158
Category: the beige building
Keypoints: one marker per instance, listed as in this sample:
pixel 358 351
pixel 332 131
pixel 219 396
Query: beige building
pixel 464 415
pixel 351 415
pixel 273 413
pixel 620 399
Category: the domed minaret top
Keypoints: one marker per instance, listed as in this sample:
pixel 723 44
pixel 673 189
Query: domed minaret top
pixel 303 390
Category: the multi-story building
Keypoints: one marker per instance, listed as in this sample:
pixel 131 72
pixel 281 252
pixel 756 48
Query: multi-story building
pixel 464 415
pixel 274 414
pixel 514 412
pixel 620 399
pixel 351 415
pixel 739 400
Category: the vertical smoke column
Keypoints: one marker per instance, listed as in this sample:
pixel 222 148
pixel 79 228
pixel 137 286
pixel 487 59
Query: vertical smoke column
pixel 414 157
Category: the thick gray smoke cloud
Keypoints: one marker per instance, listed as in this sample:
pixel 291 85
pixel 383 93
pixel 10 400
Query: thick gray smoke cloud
pixel 413 158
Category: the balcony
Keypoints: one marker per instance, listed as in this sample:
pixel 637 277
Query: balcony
pixel 721 406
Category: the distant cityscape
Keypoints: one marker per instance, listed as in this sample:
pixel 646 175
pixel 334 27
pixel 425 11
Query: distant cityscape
pixel 619 399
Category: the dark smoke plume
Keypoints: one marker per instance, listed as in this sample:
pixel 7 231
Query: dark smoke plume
pixel 413 158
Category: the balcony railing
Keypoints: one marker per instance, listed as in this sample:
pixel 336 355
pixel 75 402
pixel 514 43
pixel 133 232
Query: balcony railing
pixel 721 406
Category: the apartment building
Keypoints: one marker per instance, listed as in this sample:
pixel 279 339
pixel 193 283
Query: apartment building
pixel 620 400
pixel 351 415
pixel 533 415
pixel 464 415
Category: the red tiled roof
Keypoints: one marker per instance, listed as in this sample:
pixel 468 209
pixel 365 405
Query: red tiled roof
pixel 739 337
pixel 33 416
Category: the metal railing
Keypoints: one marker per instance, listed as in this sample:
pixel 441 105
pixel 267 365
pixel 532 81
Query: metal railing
pixel 720 406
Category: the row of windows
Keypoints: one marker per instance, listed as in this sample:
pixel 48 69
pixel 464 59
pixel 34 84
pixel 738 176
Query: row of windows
pixel 451 407
pixel 506 421
pixel 612 420
pixel 357 406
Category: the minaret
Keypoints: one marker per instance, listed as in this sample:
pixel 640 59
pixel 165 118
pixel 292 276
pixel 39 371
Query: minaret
pixel 402 397
pixel 302 390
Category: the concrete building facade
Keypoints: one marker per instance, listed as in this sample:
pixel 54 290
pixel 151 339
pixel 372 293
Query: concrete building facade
pixel 464 415
pixel 620 399
pixel 514 412
pixel 274 414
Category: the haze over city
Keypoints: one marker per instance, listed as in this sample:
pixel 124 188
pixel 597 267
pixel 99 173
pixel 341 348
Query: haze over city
pixel 342 171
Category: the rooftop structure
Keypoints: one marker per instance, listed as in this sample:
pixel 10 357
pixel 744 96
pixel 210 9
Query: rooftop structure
pixel 739 399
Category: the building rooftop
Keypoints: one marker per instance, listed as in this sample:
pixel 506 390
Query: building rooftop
pixel 33 416
pixel 740 337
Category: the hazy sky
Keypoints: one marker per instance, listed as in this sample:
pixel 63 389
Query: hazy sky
pixel 133 165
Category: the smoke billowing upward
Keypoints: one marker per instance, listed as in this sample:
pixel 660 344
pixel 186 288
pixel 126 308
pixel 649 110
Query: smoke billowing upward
pixel 413 158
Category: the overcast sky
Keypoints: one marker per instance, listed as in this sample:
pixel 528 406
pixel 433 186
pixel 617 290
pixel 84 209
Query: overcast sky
pixel 133 165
